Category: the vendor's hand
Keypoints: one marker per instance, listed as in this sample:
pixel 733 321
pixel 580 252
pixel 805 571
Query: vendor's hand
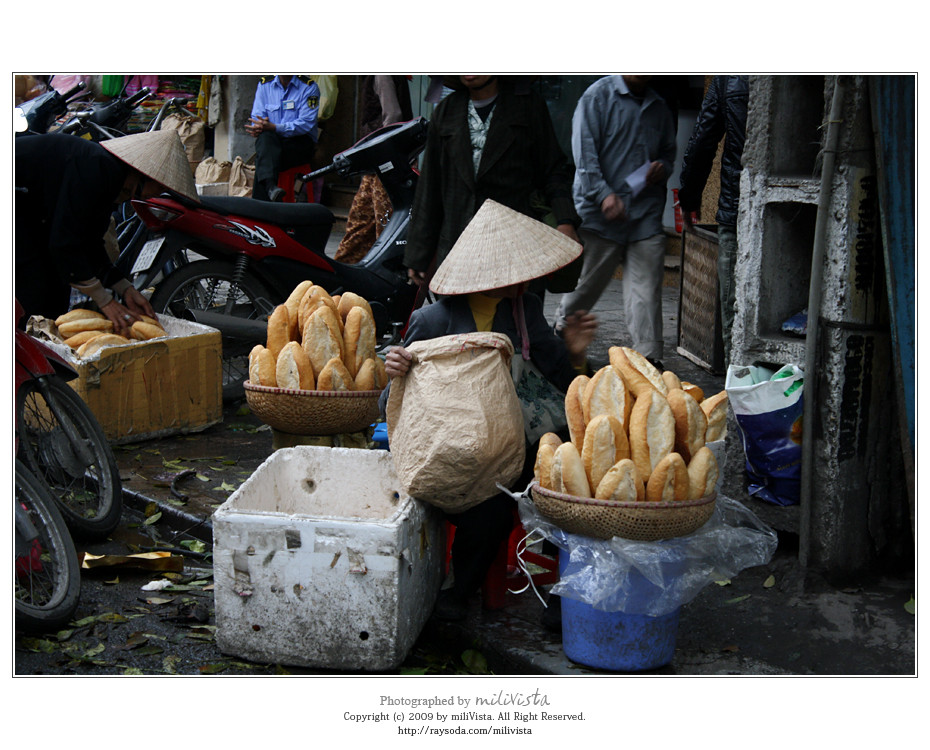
pixel 613 208
pixel 689 217
pixel 121 317
pixel 578 332
pixel 655 173
pixel 417 277
pixel 569 231
pixel 137 303
pixel 397 362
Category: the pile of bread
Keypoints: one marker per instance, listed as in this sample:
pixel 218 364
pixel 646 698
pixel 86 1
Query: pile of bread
pixel 319 342
pixel 635 435
pixel 88 331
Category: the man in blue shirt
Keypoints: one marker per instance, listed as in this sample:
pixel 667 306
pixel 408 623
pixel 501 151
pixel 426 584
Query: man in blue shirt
pixel 623 144
pixel 284 124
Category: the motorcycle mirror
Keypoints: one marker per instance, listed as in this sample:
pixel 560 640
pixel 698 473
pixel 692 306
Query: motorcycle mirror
pixel 20 124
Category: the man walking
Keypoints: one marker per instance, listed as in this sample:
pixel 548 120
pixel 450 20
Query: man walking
pixel 623 143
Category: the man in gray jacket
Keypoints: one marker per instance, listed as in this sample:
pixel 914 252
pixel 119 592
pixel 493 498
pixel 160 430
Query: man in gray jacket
pixel 623 143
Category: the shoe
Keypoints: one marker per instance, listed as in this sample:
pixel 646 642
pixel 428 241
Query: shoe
pixel 552 615
pixel 276 195
pixel 450 607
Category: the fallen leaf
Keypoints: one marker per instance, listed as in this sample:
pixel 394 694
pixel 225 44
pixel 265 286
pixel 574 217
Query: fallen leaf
pixel 144 560
pixel 194 545
pixel 730 649
pixel 724 582
pixel 113 618
pixel 152 519
pixel 226 487
pixel 170 663
pixel 768 582
pixel 475 662
pixel 213 668
pixel 738 599
pixel 911 606
pixel 159 600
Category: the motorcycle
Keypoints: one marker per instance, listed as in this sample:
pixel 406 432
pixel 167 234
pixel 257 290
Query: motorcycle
pixel 61 442
pixel 107 121
pixel 37 115
pixel 46 573
pixel 227 262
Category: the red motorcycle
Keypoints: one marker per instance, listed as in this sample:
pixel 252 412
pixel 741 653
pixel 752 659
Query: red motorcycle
pixel 228 262
pixel 61 442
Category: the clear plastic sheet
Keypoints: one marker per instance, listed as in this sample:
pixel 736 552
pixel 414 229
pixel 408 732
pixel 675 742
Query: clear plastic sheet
pixel 654 578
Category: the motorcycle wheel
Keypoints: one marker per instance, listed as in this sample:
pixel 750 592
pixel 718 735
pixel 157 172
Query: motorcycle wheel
pixel 47 577
pixel 208 285
pixel 74 460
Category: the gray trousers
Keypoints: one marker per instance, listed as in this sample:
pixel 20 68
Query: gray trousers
pixel 643 264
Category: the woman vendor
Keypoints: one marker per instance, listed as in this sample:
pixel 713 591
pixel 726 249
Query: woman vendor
pixel 484 288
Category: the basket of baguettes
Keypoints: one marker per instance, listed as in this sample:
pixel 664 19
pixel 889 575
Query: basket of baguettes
pixel 637 465
pixel 318 372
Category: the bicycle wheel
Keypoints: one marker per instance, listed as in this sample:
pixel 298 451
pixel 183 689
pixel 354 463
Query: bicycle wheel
pixel 47 579
pixel 209 285
pixel 61 441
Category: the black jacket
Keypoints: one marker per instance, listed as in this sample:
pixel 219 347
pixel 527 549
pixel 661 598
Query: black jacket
pixel 723 112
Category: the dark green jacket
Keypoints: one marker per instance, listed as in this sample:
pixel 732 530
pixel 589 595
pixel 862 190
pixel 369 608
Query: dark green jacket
pixel 521 156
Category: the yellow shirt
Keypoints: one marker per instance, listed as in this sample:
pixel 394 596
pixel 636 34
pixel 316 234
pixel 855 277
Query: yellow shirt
pixel 483 309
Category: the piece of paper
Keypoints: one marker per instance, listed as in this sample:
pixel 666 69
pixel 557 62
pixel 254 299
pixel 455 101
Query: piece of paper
pixel 637 179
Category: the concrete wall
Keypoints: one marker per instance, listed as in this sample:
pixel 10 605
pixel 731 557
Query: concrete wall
pixel 851 518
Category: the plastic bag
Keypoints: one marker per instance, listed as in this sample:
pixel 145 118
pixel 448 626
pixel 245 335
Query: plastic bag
pixel 769 408
pixel 329 91
pixel 654 578
pixel 454 421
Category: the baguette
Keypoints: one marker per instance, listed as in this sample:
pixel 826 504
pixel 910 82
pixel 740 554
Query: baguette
pixel 293 368
pixel 567 474
pixel 550 438
pixel 695 391
pixel 669 480
pixel 574 412
pixel 79 339
pixel 703 473
pixel 671 380
pixel 542 470
pixel 359 335
pixel 78 313
pixel 605 443
pixel 622 483
pixel 67 330
pixel 607 393
pixel 335 377
pixel 262 367
pixel 638 372
pixel 690 423
pixel 144 331
pixel 99 342
pixel 652 432
pixel 371 375
pixel 292 303
pixel 322 339
pixel 279 331
pixel 715 409
pixel 314 298
pixel 348 300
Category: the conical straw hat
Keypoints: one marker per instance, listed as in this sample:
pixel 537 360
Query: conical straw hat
pixel 159 155
pixel 501 247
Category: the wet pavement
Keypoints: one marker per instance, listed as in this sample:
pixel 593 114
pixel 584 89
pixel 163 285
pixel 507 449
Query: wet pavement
pixel 776 619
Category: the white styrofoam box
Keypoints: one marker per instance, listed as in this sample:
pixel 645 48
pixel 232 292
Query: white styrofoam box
pixel 212 188
pixel 321 560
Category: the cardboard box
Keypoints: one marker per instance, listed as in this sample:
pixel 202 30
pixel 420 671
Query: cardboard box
pixel 321 560
pixel 155 388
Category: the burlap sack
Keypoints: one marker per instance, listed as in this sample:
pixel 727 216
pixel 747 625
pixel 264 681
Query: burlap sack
pixel 454 422
pixel 190 128
pixel 241 178
pixel 212 170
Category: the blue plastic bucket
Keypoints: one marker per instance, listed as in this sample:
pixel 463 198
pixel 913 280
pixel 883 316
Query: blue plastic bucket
pixel 616 641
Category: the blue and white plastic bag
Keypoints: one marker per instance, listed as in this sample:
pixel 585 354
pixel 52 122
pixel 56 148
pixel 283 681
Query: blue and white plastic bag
pixel 769 408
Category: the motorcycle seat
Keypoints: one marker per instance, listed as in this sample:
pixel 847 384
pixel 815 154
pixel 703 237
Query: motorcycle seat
pixel 286 214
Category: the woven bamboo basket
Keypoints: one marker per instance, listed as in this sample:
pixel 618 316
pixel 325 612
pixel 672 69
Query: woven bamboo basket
pixel 639 521
pixel 313 412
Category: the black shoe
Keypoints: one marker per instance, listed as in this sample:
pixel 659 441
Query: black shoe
pixel 276 195
pixel 450 607
pixel 552 615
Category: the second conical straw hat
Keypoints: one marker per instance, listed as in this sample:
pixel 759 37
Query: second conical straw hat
pixel 159 155
pixel 501 247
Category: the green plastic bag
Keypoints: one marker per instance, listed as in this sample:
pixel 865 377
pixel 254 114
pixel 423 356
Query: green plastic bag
pixel 111 85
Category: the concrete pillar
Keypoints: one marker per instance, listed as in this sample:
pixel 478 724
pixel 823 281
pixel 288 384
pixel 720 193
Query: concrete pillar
pixel 230 138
